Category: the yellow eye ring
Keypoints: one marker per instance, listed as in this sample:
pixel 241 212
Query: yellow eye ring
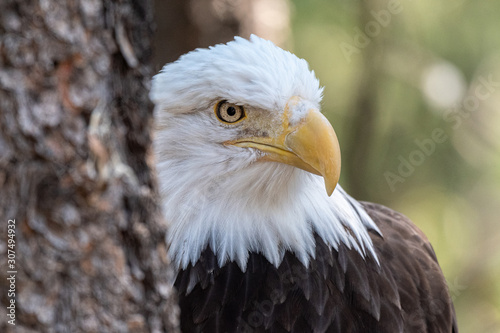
pixel 229 113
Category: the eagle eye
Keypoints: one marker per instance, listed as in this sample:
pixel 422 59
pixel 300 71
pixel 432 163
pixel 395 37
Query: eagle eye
pixel 229 113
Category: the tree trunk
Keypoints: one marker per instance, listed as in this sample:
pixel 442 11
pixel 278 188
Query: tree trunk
pixel 364 113
pixel 88 252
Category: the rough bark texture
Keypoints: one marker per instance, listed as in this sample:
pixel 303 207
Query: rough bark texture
pixel 74 137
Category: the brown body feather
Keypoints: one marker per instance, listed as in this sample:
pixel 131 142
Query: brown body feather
pixel 340 291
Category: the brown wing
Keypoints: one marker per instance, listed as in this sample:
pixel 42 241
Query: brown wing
pixel 339 292
pixel 406 252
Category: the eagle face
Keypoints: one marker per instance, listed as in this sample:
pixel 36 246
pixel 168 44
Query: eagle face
pixel 244 156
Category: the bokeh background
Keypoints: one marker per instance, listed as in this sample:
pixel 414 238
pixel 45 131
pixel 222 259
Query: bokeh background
pixel 434 66
pixel 413 91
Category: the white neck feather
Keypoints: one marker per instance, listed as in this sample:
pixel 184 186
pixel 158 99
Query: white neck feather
pixel 237 206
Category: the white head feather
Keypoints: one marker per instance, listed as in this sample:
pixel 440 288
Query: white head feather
pixel 219 196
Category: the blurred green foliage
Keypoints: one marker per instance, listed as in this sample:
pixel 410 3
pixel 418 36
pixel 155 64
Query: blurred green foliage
pixel 426 66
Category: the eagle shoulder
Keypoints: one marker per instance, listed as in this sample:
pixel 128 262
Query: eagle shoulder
pixel 340 291
pixel 406 254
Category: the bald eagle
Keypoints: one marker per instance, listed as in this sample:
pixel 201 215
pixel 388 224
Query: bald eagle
pixel 244 156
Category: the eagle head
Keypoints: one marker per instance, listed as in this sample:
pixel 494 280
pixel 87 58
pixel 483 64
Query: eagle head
pixel 244 155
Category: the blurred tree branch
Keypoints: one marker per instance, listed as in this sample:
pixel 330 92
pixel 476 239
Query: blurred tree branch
pixel 363 120
pixel 183 25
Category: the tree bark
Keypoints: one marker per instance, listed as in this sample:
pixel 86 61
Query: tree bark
pixel 90 254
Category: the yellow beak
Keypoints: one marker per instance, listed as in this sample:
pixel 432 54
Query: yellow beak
pixel 311 145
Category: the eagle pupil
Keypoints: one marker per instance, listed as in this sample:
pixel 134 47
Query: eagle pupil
pixel 231 111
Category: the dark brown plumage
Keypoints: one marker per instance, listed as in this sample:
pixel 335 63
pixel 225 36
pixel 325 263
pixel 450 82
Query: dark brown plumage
pixel 339 291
